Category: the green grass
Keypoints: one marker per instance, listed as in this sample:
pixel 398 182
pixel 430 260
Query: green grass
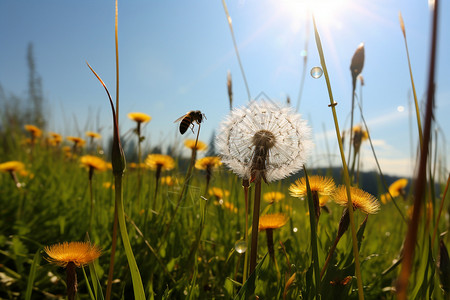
pixel 56 206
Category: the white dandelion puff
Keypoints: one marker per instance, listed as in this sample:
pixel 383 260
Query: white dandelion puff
pixel 264 139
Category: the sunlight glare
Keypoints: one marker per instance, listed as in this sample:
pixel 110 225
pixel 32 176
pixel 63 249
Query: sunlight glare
pixel 326 11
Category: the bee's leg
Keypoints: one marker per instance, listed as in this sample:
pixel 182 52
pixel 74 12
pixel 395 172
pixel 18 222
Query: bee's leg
pixel 192 128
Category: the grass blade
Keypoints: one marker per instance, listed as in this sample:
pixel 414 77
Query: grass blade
pixel 32 275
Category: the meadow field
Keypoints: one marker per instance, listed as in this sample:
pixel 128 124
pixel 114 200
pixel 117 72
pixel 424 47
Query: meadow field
pixel 82 218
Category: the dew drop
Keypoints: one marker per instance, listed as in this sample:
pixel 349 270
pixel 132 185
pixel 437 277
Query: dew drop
pixel 295 229
pixel 240 246
pixel 316 72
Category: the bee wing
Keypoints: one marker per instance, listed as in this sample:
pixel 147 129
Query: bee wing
pixel 180 118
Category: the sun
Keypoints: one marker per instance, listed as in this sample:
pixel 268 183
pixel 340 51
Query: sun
pixel 327 12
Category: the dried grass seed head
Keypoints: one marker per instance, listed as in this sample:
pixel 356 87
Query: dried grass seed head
pixel 264 137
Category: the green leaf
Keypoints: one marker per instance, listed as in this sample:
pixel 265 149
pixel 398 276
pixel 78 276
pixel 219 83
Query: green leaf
pixel 249 285
pixel 32 275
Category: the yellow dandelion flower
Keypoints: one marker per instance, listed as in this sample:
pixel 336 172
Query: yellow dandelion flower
pixel 358 132
pixel 161 161
pixel 76 140
pixel 272 221
pixel 218 192
pixel 35 132
pixel 272 197
pixel 384 198
pixel 78 253
pixel 167 180
pixel 230 206
pixel 324 186
pixel 12 166
pixel 397 188
pixel 66 149
pixel 191 145
pixel 208 163
pixel 93 162
pixel 93 135
pixel 323 200
pixel 56 138
pixel 362 200
pixel 108 185
pixel 139 117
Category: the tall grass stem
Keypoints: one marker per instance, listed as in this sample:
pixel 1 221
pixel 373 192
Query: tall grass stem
pixel 344 164
pixel 421 180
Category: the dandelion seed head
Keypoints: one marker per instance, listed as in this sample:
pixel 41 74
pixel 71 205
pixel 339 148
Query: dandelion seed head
pixel 264 128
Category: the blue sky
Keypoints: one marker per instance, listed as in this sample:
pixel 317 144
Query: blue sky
pixel 174 57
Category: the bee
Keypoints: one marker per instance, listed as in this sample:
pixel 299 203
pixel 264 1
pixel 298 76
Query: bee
pixel 188 120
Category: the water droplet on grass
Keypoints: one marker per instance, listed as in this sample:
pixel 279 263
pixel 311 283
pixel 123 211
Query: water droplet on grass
pixel 240 246
pixel 316 72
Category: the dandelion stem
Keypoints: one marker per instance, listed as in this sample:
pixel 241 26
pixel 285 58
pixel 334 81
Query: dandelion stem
pixel 245 185
pixel 314 212
pixel 139 170
pixel 71 281
pixel 91 196
pixel 344 164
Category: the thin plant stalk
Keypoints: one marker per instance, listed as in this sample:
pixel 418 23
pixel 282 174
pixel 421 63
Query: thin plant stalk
pixel 344 164
pixel 236 48
pixel 91 196
pixel 119 165
pixel 343 226
pixel 421 180
pixel 113 254
pixel 378 165
pixel 139 169
pixel 313 220
pixel 116 36
pixel 419 124
pixel 440 211
pixel 185 186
